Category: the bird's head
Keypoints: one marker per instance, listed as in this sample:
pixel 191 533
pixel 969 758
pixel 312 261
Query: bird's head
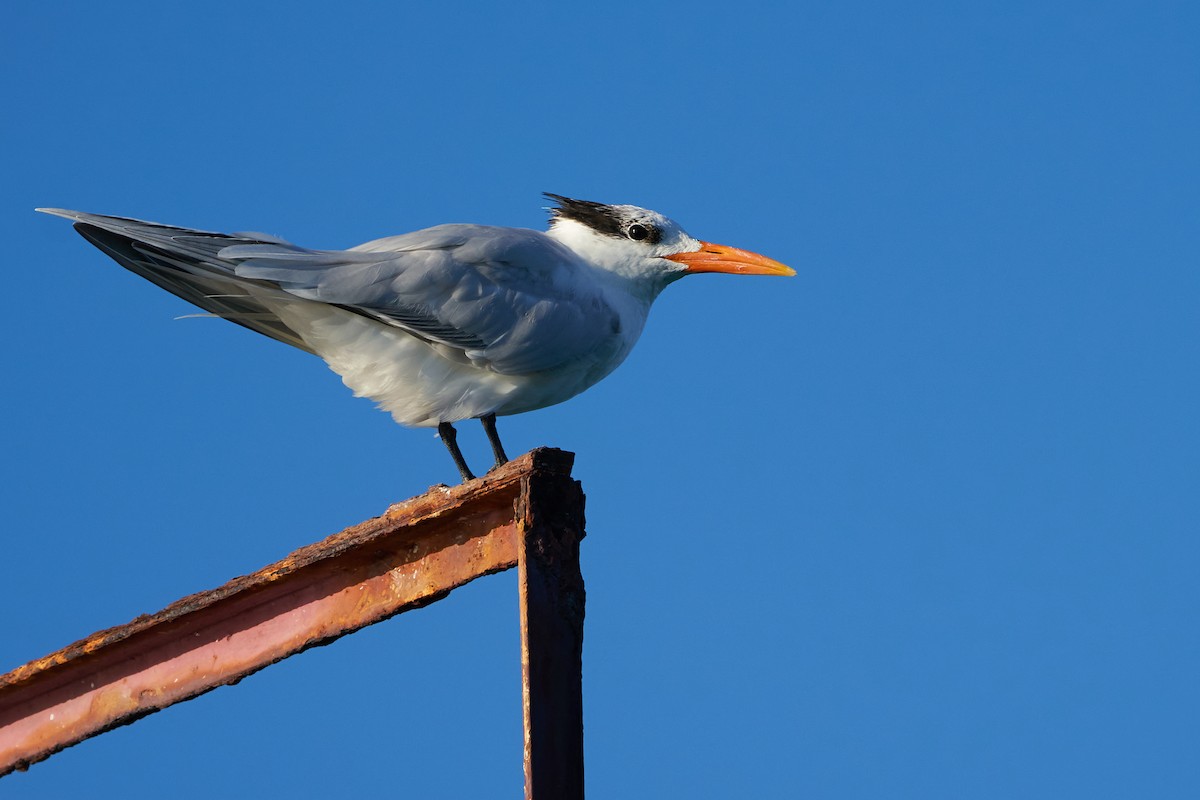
pixel 646 246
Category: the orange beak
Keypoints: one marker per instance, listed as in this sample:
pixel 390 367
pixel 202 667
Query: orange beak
pixel 719 258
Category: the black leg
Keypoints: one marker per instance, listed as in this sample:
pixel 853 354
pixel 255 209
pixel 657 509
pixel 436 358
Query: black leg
pixel 449 438
pixel 489 427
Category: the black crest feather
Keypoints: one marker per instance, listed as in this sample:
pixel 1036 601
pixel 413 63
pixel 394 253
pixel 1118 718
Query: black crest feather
pixel 597 216
pixel 605 219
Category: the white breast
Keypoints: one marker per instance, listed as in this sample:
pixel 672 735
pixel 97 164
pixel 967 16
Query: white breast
pixel 422 384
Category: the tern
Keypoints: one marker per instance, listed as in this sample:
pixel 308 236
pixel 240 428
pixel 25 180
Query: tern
pixel 444 324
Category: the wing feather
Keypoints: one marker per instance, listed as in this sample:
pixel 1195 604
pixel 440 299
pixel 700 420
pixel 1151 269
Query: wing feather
pixel 511 300
pixel 185 263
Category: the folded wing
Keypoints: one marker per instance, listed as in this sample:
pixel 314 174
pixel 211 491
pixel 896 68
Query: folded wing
pixel 510 300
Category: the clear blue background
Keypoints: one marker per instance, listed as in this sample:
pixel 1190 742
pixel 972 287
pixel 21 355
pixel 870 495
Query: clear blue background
pixel 920 522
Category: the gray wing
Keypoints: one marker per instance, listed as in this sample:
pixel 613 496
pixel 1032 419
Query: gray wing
pixel 512 300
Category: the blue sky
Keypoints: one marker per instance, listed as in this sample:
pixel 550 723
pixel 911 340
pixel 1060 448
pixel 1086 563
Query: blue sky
pixel 919 522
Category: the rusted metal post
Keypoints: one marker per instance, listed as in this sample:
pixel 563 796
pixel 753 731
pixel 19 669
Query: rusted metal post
pixel 552 609
pixel 413 555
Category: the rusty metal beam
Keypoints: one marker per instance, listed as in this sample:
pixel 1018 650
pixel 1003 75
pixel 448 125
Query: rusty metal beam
pixel 414 554
pixel 552 606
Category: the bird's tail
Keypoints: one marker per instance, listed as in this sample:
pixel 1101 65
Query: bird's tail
pixel 188 264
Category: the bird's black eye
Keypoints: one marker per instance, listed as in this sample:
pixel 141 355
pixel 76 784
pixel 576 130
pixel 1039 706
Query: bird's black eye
pixel 638 232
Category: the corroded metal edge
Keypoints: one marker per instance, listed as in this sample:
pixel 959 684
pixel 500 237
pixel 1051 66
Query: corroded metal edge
pixel 552 596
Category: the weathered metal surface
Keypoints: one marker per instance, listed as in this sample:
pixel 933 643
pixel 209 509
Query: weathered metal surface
pixel 551 525
pixel 414 554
